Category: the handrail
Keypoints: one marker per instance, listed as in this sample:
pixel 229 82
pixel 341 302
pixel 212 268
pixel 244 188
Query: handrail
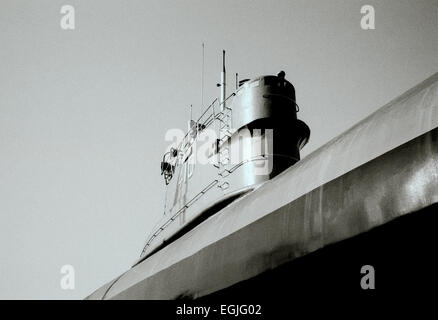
pixel 203 191
pixel 254 158
pixel 187 205
pixel 206 123
pixel 208 108
pixel 214 101
pixel 297 107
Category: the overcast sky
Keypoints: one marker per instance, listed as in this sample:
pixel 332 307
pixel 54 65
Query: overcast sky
pixel 83 112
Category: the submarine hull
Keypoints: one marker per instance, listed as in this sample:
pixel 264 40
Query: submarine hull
pixel 380 170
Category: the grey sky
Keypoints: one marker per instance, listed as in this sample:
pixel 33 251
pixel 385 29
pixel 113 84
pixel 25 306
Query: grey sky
pixel 83 113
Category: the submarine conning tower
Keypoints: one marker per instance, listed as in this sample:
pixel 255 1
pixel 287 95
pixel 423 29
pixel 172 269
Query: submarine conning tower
pixel 257 135
pixel 269 102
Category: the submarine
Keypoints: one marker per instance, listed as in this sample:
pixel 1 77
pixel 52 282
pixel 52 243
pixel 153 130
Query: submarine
pixel 239 227
pixel 239 142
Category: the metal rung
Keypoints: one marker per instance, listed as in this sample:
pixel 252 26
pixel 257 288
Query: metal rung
pixel 225 185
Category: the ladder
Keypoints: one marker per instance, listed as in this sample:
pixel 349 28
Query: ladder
pixel 223 146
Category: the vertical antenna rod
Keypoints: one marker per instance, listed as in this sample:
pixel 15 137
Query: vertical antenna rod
pixel 223 82
pixel 202 81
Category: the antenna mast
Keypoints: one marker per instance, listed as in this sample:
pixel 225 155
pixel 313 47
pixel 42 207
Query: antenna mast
pixel 223 82
pixel 202 81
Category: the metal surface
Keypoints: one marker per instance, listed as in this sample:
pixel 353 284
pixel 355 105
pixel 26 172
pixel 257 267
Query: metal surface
pixel 264 97
pixel 364 178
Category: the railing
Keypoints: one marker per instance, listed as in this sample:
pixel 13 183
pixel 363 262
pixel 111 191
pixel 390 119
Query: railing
pixel 207 118
pixel 168 222
pixel 195 198
pixel 202 121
